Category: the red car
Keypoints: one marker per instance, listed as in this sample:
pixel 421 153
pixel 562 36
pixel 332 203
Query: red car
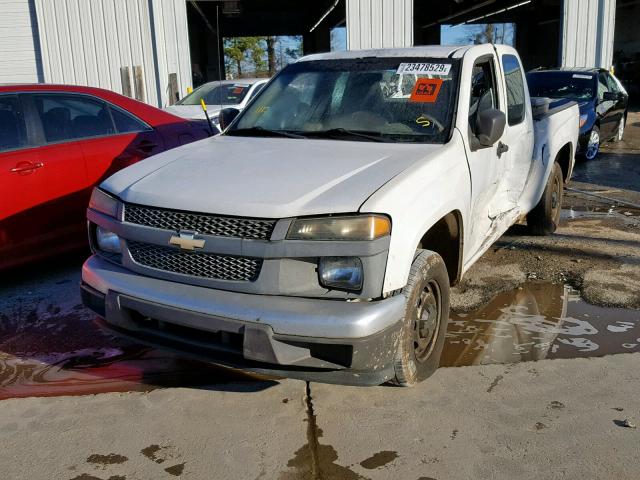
pixel 56 143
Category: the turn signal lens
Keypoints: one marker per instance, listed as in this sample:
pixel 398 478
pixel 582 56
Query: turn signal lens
pixel 361 227
pixel 583 120
pixel 103 203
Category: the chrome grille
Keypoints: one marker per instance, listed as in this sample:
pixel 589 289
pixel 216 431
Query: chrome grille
pixel 197 264
pixel 176 220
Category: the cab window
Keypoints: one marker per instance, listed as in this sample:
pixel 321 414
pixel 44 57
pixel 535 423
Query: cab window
pixel 483 93
pixel 12 128
pixel 515 89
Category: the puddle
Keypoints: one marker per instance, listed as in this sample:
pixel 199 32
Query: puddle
pixel 539 321
pixel 572 213
pixel 45 354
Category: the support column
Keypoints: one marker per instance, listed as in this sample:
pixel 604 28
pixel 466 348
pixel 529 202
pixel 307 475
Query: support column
pixel 587 33
pixel 379 24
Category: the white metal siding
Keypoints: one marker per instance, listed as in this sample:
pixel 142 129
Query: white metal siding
pixel 379 23
pixel 88 42
pixel 20 60
pixel 588 29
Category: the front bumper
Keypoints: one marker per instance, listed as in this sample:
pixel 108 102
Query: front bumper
pixel 327 340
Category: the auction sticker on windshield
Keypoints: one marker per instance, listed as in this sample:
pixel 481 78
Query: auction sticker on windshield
pixel 430 68
pixel 426 90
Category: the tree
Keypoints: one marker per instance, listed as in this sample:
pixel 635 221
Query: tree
pixel 242 49
pixel 271 55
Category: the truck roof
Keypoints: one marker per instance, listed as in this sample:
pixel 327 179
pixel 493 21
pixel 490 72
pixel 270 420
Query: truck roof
pixel 435 51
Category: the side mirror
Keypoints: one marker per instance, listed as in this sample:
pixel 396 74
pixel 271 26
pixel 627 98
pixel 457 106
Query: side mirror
pixel 610 97
pixel 490 126
pixel 227 115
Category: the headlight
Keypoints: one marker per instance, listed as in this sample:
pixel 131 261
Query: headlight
pixel 361 227
pixel 344 273
pixel 583 119
pixel 107 241
pixel 103 203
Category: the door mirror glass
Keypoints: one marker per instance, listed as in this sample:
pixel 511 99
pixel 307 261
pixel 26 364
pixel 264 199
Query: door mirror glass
pixel 227 115
pixel 490 125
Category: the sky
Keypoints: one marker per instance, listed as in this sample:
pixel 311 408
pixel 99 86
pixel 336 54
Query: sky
pixel 462 34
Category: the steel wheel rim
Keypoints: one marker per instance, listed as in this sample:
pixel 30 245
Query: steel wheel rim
pixel 426 321
pixel 594 145
pixel 555 197
pixel 621 129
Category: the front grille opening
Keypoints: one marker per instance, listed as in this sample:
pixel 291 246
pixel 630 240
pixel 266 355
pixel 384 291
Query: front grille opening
pixel 203 223
pixel 196 264
pixel 228 341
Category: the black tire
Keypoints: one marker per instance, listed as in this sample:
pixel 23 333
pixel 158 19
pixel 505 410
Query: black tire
pixel 545 217
pixel 425 319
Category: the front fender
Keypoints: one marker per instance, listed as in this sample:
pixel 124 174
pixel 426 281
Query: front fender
pixel 415 200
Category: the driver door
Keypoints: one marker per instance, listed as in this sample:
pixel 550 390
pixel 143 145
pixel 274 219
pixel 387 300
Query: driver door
pixel 483 162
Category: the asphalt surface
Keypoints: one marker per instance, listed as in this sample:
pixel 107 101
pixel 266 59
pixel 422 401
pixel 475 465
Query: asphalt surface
pixel 516 397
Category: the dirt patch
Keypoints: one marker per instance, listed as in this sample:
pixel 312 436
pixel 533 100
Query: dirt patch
pixel 596 252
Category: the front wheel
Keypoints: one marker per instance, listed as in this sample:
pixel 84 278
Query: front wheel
pixel 545 217
pixel 424 324
pixel 593 144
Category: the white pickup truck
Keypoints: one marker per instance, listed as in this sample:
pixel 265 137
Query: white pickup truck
pixel 318 237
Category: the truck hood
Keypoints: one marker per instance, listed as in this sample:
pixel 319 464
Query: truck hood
pixel 266 177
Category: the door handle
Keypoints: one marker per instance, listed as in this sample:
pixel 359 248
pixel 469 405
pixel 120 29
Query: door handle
pixel 502 148
pixel 146 146
pixel 26 167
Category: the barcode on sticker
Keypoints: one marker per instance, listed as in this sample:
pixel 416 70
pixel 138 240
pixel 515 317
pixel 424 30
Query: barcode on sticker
pixel 430 68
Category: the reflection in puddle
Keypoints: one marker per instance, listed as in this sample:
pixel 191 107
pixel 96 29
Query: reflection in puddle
pixel 66 354
pixel 538 321
pixel 571 213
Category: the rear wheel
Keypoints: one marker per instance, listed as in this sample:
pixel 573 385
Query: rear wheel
pixel 545 217
pixel 593 145
pixel 425 319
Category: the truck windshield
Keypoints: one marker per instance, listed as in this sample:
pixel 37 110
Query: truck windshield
pixel 370 99
pixel 571 85
pixel 217 94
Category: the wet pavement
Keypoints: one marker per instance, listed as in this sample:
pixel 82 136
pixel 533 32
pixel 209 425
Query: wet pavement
pixel 618 164
pixel 48 351
pixel 51 345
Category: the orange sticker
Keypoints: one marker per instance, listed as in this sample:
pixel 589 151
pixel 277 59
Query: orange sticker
pixel 426 90
pixel 238 90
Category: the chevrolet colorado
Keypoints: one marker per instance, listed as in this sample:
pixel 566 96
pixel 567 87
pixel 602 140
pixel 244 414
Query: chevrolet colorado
pixel 318 236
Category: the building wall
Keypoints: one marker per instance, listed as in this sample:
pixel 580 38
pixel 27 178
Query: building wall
pixel 128 46
pixel 20 60
pixel 588 31
pixel 379 23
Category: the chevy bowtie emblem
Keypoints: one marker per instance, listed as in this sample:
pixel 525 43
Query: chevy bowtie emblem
pixel 186 241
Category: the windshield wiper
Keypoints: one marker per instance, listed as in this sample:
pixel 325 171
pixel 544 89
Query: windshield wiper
pixel 263 132
pixel 343 132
